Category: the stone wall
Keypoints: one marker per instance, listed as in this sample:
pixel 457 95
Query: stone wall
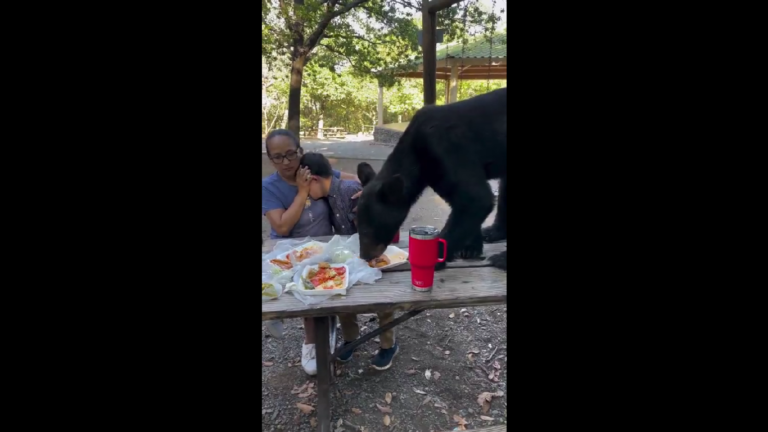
pixel 386 136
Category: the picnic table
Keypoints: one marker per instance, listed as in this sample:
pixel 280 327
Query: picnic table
pixel 333 132
pixel 462 283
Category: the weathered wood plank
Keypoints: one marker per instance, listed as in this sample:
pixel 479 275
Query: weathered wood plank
pixel 453 288
pixel 488 250
pixel 498 428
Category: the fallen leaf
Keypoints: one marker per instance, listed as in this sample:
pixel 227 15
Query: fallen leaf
pixel 471 357
pixel 388 397
pixel 419 391
pixel 428 374
pixel 462 311
pixel 474 351
pixel 490 376
pixel 299 389
pixel 486 407
pixel 338 372
pixel 384 410
pixel 348 392
pixel 440 405
pixel 486 418
pixel 459 420
pixel 436 375
pixel 496 365
pixel 451 315
pixel 267 363
pixel 461 427
pixel 425 401
pixel 415 359
pixel 438 348
pixel 313 422
pixel 386 420
pixel 306 409
pixel 411 371
pixel 484 399
pixel 339 423
pixel 356 411
pixel 447 352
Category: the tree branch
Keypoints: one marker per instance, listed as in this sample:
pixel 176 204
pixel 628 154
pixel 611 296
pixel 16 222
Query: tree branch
pixel 407 4
pixel 346 36
pixel 314 38
pixel 438 5
pixel 337 52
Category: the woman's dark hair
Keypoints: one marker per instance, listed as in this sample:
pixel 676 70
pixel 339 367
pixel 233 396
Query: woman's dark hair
pixel 318 165
pixel 285 133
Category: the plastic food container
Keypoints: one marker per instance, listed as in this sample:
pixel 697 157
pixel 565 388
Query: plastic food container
pixel 396 257
pixel 324 292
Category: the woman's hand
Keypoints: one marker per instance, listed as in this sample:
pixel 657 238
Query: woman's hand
pixel 303 177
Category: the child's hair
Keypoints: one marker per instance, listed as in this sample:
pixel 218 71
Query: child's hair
pixel 318 165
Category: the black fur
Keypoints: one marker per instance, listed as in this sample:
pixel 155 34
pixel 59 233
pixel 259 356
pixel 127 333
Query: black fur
pixel 454 149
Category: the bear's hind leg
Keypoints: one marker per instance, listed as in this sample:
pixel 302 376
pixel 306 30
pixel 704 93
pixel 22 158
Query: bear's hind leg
pixel 470 204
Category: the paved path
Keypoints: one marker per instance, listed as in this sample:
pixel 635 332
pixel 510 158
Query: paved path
pixel 350 148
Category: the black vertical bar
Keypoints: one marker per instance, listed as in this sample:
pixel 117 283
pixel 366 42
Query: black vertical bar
pixel 429 52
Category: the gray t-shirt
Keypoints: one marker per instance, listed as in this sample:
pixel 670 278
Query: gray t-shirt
pixel 315 218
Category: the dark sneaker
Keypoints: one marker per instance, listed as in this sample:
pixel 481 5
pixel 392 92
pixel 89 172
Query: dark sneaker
pixel 347 356
pixel 383 358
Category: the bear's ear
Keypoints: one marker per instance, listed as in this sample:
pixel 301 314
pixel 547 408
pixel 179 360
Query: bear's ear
pixel 365 173
pixel 392 190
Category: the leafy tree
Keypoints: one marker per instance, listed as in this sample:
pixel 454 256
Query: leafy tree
pixel 366 36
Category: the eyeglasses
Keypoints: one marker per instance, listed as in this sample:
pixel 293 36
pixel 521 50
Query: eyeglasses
pixel 278 158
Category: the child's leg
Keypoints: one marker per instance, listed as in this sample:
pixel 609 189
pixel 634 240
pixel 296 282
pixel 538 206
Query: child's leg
pixel 388 337
pixel 349 328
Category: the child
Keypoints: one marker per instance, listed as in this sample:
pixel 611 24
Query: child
pixel 339 195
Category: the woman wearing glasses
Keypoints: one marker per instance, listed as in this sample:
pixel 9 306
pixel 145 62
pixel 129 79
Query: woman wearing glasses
pixel 291 212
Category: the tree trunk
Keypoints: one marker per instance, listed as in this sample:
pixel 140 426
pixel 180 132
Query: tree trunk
pixel 294 95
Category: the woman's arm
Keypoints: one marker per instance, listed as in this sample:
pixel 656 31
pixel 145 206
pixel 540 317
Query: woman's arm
pixel 283 221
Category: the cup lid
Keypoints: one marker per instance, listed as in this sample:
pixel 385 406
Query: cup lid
pixel 424 232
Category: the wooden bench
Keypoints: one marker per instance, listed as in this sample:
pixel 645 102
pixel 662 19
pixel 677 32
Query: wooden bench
pixel 333 132
pixel 462 283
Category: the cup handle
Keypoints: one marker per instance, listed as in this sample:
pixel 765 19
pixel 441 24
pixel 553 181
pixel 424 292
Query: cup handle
pixel 445 250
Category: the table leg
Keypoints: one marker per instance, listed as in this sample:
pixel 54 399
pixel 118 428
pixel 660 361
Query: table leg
pixel 322 347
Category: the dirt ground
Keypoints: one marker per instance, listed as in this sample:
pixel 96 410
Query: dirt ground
pixel 460 348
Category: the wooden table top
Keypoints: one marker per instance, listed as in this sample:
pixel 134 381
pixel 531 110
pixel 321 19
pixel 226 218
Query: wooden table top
pixel 462 283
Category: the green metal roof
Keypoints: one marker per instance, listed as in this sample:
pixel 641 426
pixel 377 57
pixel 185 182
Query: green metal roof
pixel 477 47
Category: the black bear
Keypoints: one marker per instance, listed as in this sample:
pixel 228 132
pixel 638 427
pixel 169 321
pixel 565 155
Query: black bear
pixel 454 149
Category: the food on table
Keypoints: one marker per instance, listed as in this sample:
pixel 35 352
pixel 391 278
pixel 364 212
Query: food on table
pixel 268 290
pixel 325 277
pixel 283 264
pixel 379 262
pixel 298 255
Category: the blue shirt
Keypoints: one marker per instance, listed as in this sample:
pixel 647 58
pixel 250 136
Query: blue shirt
pixel 315 218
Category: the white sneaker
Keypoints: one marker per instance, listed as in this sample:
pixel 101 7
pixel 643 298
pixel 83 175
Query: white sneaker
pixel 308 360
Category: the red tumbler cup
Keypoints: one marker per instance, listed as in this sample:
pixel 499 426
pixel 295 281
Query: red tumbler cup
pixel 422 254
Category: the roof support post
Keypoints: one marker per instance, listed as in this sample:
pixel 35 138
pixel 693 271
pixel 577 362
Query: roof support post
pixel 454 81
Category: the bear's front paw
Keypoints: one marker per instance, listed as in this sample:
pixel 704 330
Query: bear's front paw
pixel 472 251
pixel 494 233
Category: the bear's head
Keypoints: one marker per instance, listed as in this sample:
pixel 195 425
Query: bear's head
pixel 381 210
